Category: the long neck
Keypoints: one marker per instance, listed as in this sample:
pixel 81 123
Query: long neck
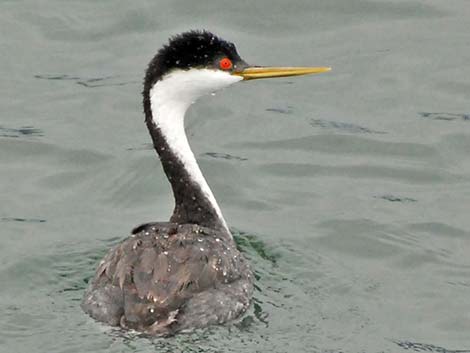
pixel 194 201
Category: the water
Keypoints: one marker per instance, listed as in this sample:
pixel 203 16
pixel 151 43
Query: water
pixel 349 191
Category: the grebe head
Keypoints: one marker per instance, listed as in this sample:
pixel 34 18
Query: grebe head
pixel 193 64
pixel 196 63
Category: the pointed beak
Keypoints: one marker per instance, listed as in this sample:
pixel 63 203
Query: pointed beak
pixel 256 72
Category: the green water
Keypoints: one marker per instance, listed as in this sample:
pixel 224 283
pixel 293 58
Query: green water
pixel 349 191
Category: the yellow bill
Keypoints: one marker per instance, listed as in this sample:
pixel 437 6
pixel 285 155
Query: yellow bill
pixel 253 73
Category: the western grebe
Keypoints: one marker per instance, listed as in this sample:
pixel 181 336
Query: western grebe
pixel 187 273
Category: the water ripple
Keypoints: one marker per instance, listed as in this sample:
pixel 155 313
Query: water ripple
pixel 93 82
pixel 426 347
pixel 446 116
pixel 20 132
pixel 343 127
pixel 226 156
pixel 25 220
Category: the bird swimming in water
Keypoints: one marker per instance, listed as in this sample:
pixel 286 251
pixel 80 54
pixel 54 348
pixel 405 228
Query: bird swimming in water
pixel 176 276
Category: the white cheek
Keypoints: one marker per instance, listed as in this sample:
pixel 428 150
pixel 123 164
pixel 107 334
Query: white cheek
pixel 185 87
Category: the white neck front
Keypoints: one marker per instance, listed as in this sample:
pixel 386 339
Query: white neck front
pixel 170 98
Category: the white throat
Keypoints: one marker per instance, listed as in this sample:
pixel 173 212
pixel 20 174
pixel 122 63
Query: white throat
pixel 170 97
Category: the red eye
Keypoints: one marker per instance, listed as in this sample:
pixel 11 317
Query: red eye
pixel 225 64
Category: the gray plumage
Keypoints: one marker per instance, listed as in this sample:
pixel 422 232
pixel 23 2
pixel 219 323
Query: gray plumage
pixel 168 278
